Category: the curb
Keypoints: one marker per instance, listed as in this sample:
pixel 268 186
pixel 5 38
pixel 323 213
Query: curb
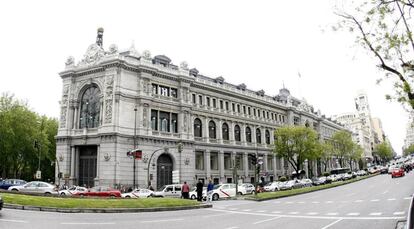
pixel 295 194
pixel 103 210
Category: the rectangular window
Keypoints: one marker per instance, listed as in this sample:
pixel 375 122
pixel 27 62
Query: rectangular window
pixel 239 161
pixel 214 161
pixel 200 99
pixel 244 109
pixel 154 89
pixel 248 111
pixel 296 121
pixel 283 118
pixel 164 91
pixel 199 156
pixel 221 104
pixel 214 103
pixel 269 163
pixel 227 161
pixel 233 107
pixel 238 108
pixel 154 119
pixel 254 111
pixel 174 123
pixel 278 163
pixel 273 116
pixel 249 162
pixel 227 105
pixel 267 114
pixel 164 121
pixel 173 92
pixel 194 99
pixel 258 112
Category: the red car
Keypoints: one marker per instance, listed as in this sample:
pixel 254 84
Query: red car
pixel 100 192
pixel 397 172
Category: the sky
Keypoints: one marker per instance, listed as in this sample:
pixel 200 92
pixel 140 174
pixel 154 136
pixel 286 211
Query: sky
pixel 264 44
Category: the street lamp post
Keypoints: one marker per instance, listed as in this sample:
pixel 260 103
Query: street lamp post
pixel 135 144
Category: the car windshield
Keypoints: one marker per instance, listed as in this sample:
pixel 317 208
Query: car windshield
pixel 217 186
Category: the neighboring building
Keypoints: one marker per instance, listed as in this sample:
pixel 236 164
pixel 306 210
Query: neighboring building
pixel 366 131
pixel 114 101
pixel 409 137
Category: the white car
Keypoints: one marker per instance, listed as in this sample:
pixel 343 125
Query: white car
pixel 138 193
pixel 35 187
pixel 306 182
pixel 171 190
pixel 224 191
pixel 272 187
pixel 193 193
pixel 72 190
pixel 244 189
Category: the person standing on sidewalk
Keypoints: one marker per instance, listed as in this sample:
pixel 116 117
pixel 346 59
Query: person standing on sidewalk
pixel 210 187
pixel 199 189
pixel 185 190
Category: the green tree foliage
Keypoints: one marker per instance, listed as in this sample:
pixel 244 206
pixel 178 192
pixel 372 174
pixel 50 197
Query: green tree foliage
pixel 342 146
pixel 409 150
pixel 326 155
pixel 296 144
pixel 384 29
pixel 383 151
pixel 355 155
pixel 19 129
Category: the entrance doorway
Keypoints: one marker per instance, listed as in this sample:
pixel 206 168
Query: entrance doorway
pixel 164 170
pixel 87 165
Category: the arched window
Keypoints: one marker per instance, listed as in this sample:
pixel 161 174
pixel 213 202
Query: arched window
pixel 197 128
pixel 225 131
pixel 237 133
pixel 212 130
pixel 248 134
pixel 90 108
pixel 164 125
pixel 267 136
pixel 258 136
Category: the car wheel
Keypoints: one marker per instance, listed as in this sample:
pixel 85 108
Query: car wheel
pixel 62 194
pixel 81 195
pixel 215 196
pixel 112 196
pixel 193 197
pixel 48 193
pixel 253 192
pixel 240 193
pixel 128 197
pixel 14 190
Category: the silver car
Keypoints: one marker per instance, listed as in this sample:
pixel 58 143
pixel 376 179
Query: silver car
pixel 36 187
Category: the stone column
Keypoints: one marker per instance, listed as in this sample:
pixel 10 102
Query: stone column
pixel 246 164
pixel 221 164
pixel 231 132
pixel 253 129
pixel 207 163
pixel 243 134
pixel 272 136
pixel 219 132
pixel 76 117
pixel 274 166
pixel 180 122
pixel 265 167
pixel 263 136
pixel 205 129
pixel 72 162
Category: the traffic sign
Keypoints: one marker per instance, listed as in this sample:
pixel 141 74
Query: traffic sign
pixel 38 174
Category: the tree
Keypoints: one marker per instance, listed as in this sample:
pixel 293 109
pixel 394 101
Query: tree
pixel 384 30
pixel 342 146
pixel 326 155
pixel 409 150
pixel 383 151
pixel 296 144
pixel 355 155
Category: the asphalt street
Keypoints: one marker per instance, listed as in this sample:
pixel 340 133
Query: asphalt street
pixel 377 202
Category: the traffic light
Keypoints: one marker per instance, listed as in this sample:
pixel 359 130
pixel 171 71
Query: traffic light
pixel 253 159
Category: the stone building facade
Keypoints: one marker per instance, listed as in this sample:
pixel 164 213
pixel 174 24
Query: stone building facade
pixel 113 100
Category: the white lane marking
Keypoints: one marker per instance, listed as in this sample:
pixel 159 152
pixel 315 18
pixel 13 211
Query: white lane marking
pixel 161 220
pixel 247 210
pixel 315 202
pixel 293 213
pixel 328 202
pixel 385 192
pixel 261 211
pixel 262 221
pixel 358 201
pixel 353 214
pixel 232 227
pixel 12 221
pixel 390 199
pixel 399 213
pixel 208 216
pixel 407 198
pixel 232 209
pixel 276 202
pixel 87 223
pixel 376 213
pixel 332 213
pixel 313 217
pixel 312 213
pixel 301 202
pixel 277 212
pixel 289 202
pixel 375 200
pixel 327 226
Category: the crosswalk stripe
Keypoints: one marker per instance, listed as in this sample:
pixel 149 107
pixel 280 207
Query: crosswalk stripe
pixel 312 213
pixel 353 214
pixel 376 213
pixel 399 213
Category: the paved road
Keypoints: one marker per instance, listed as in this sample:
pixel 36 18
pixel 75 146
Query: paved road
pixel 377 202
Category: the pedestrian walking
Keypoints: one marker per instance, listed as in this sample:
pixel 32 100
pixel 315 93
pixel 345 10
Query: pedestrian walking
pixel 210 187
pixel 185 190
pixel 199 189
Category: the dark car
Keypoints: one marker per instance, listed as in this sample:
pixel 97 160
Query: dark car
pixel 384 170
pixel 1 203
pixel 5 184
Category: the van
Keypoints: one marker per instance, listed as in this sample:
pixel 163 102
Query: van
pixel 170 190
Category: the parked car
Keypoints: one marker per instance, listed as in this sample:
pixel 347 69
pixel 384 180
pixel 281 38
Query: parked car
pixel 138 193
pixel 272 187
pixel 72 191
pixel 361 173
pixel 245 189
pixel 291 185
pixel 383 170
pixel 193 193
pixel 398 172
pixel 1 203
pixel 306 182
pixel 224 191
pixel 35 187
pixel 7 183
pixel 171 190
pixel 318 181
pixel 100 191
pixel 346 176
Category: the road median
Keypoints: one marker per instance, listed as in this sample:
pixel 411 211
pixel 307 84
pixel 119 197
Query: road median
pixel 281 194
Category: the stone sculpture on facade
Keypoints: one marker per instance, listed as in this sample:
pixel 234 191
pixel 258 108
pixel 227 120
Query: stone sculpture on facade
pixel 109 99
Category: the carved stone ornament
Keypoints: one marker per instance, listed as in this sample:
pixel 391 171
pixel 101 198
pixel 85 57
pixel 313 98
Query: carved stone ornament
pixel 70 61
pixel 184 65
pixel 93 54
pixel 113 49
pixel 108 98
pixel 107 157
pixel 146 54
pixel 60 157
